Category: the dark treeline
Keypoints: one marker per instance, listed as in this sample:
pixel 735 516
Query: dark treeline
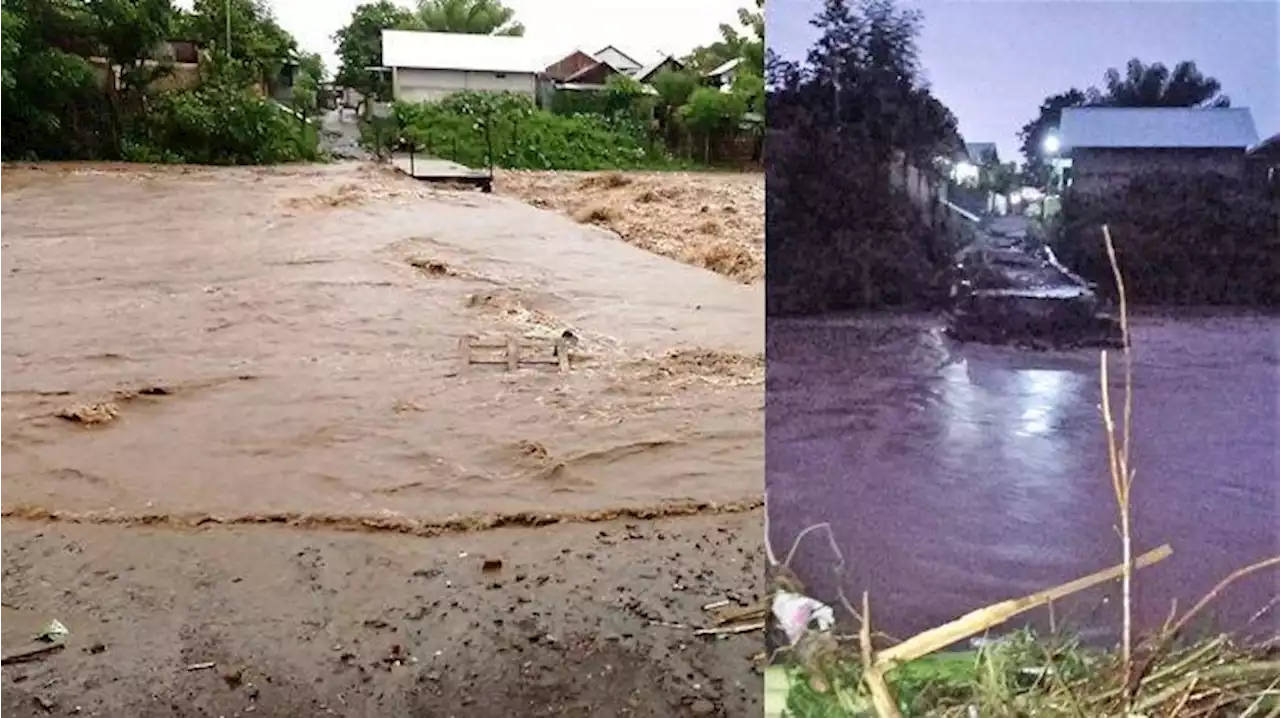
pixel 840 235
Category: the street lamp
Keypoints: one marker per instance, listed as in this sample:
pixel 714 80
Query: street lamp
pixel 1051 147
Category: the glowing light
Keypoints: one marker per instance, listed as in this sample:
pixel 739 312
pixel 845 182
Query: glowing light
pixel 1052 144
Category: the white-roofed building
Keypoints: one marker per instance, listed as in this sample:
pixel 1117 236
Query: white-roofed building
pixel 428 66
pixel 1103 147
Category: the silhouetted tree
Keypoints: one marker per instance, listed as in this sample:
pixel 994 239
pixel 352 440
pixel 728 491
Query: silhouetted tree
pixel 839 235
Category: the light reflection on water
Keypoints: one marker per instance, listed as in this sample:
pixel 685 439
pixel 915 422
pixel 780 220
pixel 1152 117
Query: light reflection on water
pixel 955 476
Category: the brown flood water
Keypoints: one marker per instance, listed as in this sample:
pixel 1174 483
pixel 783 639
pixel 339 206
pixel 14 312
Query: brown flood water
pixel 958 475
pixel 285 341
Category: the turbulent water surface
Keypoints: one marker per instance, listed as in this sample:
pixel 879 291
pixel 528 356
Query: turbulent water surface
pixel 958 475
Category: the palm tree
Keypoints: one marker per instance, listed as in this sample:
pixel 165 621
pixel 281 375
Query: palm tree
pixel 1155 85
pixel 473 17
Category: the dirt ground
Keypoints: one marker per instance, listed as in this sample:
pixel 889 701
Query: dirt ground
pixel 239 430
pixel 711 220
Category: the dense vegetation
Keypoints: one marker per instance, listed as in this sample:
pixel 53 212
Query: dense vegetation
pixel 60 103
pixel 1207 240
pixel 840 235
pixel 622 126
pixel 466 125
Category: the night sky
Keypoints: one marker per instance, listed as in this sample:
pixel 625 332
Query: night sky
pixel 993 63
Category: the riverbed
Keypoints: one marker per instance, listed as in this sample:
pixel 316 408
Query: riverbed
pixel 958 475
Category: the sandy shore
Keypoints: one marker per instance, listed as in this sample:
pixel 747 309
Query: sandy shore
pixel 189 353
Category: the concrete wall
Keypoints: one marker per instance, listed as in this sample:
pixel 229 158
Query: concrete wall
pixel 1100 170
pixel 183 75
pixel 418 85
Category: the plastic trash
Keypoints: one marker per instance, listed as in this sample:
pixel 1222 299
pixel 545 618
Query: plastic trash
pixel 53 632
pixel 796 613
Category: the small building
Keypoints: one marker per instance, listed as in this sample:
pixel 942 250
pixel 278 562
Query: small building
pixel 429 66
pixel 618 59
pixel 723 75
pixel 650 71
pixel 569 65
pixel 1105 147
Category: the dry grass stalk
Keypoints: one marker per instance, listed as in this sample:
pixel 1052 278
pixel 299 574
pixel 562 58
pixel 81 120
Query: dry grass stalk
pixel 984 619
pixel 1118 455
pixel 872 673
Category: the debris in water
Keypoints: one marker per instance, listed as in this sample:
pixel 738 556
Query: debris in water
pixel 54 632
pixel 91 414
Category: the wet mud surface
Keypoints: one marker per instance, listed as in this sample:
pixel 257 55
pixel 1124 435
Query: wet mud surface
pixel 958 475
pixel 191 353
pixel 575 621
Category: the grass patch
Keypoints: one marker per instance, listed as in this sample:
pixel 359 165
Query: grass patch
pixel 1166 674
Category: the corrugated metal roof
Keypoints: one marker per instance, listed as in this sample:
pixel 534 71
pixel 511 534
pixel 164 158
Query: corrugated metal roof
pixel 646 72
pixel 724 67
pixel 459 51
pixel 1157 127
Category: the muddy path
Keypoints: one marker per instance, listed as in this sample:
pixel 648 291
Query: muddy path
pixel 576 620
pixel 957 475
pixel 238 429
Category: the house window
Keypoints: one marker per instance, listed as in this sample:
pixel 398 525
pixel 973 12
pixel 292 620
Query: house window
pixel 500 75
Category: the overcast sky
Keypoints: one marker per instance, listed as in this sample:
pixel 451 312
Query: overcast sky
pixel 642 28
pixel 993 62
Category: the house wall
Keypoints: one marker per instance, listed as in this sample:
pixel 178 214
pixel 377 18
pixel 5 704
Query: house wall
pixel 419 85
pixel 1098 170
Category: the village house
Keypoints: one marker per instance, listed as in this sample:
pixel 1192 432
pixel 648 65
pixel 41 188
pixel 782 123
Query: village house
pixel 618 59
pixel 723 75
pixel 1104 147
pixel 429 66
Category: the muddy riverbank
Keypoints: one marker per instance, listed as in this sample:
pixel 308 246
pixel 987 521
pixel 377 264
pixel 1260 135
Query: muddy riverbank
pixel 958 475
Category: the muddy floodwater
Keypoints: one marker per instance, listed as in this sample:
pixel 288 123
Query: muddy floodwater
pixel 190 350
pixel 958 475
pixel 270 342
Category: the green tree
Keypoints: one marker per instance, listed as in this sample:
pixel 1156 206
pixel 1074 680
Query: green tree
pixel 745 42
pixel 1033 134
pixel 674 87
pixel 256 39
pixel 624 96
pixel 50 93
pixel 360 45
pixel 710 112
pixel 129 32
pixel 473 17
pixel 306 85
pixel 1155 85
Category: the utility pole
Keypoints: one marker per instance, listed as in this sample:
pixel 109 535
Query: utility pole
pixel 228 7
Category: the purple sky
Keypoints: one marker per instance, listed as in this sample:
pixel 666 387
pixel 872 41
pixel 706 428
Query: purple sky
pixel 993 63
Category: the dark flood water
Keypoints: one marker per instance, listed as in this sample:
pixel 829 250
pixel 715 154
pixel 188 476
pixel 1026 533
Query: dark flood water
pixel 958 475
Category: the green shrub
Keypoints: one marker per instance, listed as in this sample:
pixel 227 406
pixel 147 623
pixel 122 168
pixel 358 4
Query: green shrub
pixel 218 123
pixel 464 126
pixel 1206 240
